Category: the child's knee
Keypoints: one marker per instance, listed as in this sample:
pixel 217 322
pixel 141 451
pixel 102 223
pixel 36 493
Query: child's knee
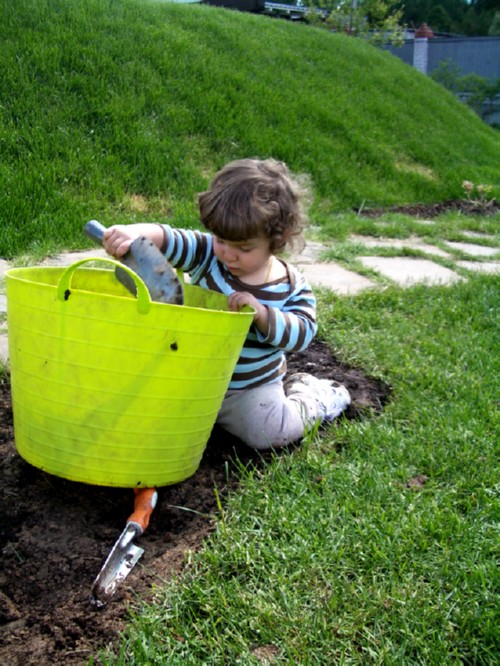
pixel 263 418
pixel 270 431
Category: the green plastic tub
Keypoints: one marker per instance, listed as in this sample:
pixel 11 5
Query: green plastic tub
pixel 112 390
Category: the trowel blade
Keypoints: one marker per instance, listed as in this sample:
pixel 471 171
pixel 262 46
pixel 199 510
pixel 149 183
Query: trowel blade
pixel 145 259
pixel 120 562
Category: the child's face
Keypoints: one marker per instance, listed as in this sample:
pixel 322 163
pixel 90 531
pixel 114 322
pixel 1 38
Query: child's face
pixel 244 259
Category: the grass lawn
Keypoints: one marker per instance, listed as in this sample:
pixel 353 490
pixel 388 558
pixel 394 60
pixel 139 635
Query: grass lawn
pixel 376 542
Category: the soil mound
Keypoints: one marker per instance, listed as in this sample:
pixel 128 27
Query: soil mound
pixel 429 211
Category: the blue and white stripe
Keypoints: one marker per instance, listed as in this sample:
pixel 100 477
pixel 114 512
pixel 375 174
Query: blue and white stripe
pixel 291 304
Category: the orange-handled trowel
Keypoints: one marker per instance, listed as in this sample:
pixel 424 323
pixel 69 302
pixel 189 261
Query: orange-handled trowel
pixel 125 553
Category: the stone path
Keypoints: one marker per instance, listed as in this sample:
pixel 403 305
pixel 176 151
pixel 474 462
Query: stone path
pixel 479 253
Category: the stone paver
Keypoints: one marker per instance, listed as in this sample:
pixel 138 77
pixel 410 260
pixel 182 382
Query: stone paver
pixel 4 266
pixel 309 254
pixel 407 271
pixel 4 348
pixel 478 234
pixel 68 258
pixel 335 277
pixel 480 266
pixel 330 275
pixel 473 249
pixel 411 243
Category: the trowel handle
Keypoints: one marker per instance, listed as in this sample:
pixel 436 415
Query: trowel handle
pixel 94 230
pixel 144 503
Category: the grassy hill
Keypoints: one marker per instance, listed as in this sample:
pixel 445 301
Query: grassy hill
pixel 124 110
pixel 374 543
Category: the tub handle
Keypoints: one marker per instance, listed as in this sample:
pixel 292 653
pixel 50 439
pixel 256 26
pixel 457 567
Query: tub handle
pixel 64 284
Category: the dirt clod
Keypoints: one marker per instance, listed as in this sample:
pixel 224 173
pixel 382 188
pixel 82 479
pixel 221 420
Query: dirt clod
pixel 55 534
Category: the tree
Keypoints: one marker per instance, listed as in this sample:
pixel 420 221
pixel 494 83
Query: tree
pixel 456 16
pixel 494 29
pixel 377 20
pixel 440 20
pixel 484 5
pixel 474 90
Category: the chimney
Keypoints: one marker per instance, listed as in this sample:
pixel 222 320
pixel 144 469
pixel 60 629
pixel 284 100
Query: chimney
pixel 424 31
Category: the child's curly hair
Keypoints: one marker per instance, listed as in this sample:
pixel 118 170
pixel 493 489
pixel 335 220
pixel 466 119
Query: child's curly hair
pixel 250 198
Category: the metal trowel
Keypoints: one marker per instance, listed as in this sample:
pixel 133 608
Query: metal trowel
pixel 145 259
pixel 125 553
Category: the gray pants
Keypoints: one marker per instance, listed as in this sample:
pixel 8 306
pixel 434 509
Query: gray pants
pixel 265 418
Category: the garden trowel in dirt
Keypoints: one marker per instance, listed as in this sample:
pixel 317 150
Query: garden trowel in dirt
pixel 145 259
pixel 125 554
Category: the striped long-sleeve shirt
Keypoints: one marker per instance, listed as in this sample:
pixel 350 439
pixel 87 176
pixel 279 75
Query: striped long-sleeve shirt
pixel 290 301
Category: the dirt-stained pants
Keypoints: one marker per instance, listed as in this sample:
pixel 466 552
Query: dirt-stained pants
pixel 265 418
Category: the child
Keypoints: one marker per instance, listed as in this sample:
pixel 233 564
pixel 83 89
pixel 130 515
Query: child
pixel 252 211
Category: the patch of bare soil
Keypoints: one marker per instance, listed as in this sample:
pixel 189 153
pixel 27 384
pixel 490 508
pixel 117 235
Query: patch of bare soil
pixel 55 534
pixel 429 211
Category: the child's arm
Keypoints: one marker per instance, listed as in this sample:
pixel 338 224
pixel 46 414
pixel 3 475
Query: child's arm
pixel 291 327
pixel 118 238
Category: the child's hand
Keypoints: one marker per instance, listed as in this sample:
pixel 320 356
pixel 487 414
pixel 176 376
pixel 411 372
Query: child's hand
pixel 238 299
pixel 117 239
